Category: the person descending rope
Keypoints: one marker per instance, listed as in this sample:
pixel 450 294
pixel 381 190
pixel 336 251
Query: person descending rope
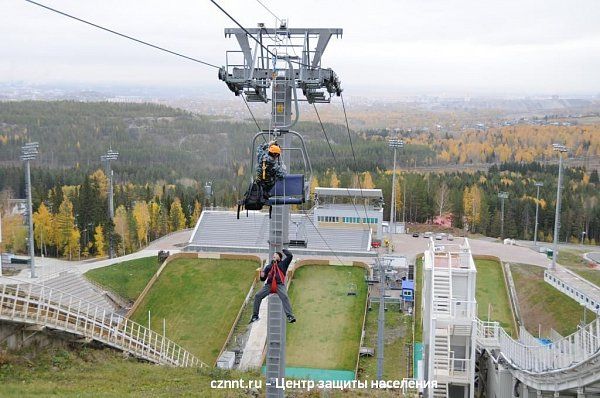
pixel 269 168
pixel 275 273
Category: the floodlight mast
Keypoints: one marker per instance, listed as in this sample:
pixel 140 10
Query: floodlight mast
pixel 282 60
pixel 109 157
pixel 29 152
pixel 560 149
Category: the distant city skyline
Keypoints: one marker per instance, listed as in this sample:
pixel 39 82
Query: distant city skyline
pixel 391 48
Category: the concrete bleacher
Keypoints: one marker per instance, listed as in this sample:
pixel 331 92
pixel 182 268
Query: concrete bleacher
pixel 75 284
pixel 222 231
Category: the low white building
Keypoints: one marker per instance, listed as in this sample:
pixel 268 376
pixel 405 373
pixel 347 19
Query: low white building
pixel 349 208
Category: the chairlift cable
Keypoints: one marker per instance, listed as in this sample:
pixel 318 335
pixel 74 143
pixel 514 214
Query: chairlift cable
pixel 123 35
pixel 271 53
pixel 335 159
pixel 253 118
pixel 267 8
pixel 354 156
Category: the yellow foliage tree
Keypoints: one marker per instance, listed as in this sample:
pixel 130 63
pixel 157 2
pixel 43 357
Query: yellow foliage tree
pixel 367 182
pixel 334 181
pixel 64 221
pixel 196 213
pixel 176 216
pixel 72 246
pixel 141 214
pixel 313 184
pixel 101 180
pixel 99 241
pixel 42 228
pixel 121 228
pixel 240 170
pixel 472 206
pixel 154 211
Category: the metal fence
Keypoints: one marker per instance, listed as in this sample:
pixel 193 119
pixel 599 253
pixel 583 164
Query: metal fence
pixel 35 304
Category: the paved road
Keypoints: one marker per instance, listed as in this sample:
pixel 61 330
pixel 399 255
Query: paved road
pixel 174 241
pixel 572 246
pixel 408 246
pixel 47 268
pixel 594 256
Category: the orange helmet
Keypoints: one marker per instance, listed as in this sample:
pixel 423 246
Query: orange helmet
pixel 275 150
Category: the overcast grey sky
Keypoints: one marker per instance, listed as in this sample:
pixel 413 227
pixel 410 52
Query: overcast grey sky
pixel 407 47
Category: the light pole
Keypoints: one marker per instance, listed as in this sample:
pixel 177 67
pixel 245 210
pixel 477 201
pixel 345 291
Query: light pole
pixel 582 237
pixel 1 210
pixel 394 143
pixel 110 156
pixel 502 195
pixel 560 149
pixel 29 152
pixel 381 320
pixel 537 211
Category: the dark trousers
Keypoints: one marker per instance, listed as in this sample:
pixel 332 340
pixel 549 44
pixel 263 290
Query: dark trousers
pixel 281 292
pixel 266 185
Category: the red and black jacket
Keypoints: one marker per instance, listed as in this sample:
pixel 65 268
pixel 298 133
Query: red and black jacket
pixel 283 266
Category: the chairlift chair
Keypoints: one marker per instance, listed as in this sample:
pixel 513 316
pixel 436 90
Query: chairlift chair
pixel 301 239
pixel 293 189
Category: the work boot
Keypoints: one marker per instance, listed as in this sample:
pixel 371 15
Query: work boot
pixel 291 319
pixel 254 319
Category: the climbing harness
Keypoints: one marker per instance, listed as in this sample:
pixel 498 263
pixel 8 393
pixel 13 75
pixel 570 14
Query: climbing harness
pixel 273 272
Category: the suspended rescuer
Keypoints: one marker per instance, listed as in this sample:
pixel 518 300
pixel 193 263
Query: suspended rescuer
pixel 274 273
pixel 269 168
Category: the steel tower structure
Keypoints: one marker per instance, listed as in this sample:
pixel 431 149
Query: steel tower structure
pixel 283 60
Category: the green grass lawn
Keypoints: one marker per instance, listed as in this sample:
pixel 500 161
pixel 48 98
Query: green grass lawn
pixel 91 373
pixel 94 373
pixel 542 304
pixel 418 297
pixel 199 298
pixel 128 278
pixel 327 334
pixel 398 332
pixel 491 293
pixel 573 260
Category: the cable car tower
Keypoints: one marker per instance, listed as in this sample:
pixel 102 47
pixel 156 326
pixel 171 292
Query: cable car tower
pixel 282 60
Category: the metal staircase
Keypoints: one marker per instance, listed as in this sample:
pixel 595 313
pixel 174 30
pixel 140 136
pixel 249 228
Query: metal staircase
pixel 442 291
pixel 566 363
pixel 34 304
pixel 461 330
pixel 441 390
pixel 441 351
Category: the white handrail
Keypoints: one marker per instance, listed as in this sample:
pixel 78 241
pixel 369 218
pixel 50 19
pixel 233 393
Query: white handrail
pixel 565 353
pixel 49 307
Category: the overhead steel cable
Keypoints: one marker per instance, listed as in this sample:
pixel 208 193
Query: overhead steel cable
pixel 271 53
pixel 268 10
pixel 253 118
pixel 337 164
pixel 325 134
pixel 354 157
pixel 323 239
pixel 123 35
